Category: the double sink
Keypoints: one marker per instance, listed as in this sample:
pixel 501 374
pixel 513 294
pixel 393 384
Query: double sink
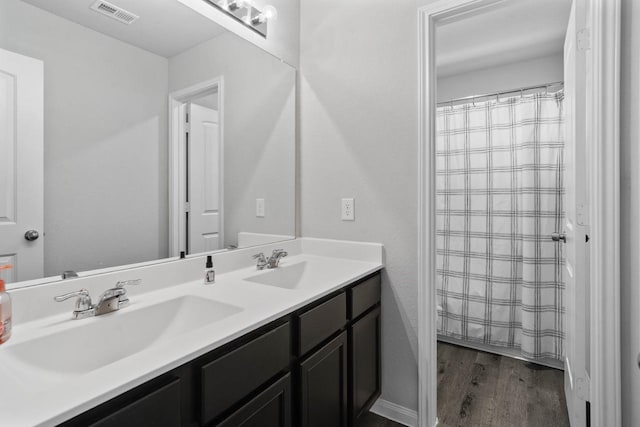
pixel 94 343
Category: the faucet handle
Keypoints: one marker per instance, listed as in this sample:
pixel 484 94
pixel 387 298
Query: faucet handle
pixel 82 303
pixel 123 283
pixel 262 261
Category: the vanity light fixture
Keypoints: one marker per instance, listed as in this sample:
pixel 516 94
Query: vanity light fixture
pixel 246 12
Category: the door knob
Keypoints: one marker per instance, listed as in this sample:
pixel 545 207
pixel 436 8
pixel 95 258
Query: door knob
pixel 31 235
pixel 556 237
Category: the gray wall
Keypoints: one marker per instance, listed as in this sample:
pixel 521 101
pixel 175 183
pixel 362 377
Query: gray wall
pixel 630 210
pixel 546 69
pixel 259 130
pixel 359 122
pixel 359 102
pixel 105 141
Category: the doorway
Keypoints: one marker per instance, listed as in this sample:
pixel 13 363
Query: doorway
pixel 197 168
pixel 592 385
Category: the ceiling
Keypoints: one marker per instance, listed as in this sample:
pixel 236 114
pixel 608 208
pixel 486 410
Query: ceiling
pixel 509 31
pixel 505 32
pixel 165 27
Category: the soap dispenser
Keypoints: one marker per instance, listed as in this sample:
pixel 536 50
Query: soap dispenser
pixel 209 272
pixel 5 309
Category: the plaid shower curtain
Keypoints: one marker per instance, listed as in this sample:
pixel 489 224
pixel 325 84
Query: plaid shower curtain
pixel 499 197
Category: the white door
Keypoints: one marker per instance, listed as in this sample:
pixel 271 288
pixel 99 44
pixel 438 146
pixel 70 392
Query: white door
pixel 576 223
pixel 21 165
pixel 204 180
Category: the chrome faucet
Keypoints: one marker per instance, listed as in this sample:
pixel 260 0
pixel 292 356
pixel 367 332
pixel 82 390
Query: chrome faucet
pixel 111 300
pixel 84 307
pixel 272 262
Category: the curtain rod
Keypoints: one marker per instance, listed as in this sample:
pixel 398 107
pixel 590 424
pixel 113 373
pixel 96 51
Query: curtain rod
pixel 497 94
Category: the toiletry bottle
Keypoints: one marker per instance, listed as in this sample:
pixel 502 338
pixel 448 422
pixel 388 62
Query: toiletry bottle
pixel 209 272
pixel 5 310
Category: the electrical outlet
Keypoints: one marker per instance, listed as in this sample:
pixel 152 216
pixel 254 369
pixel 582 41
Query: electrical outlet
pixel 348 210
pixel 260 208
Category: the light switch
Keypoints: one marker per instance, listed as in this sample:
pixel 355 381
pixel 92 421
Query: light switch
pixel 260 208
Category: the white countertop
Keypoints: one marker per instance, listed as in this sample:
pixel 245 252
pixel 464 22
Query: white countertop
pixel 32 398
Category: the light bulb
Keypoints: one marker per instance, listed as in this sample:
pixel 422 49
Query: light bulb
pixel 269 13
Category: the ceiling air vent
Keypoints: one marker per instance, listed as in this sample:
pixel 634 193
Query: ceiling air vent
pixel 115 12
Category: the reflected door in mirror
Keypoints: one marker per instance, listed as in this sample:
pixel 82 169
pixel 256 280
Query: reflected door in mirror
pixel 21 165
pixel 204 172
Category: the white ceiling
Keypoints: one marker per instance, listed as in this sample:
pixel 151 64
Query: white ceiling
pixel 165 27
pixel 510 31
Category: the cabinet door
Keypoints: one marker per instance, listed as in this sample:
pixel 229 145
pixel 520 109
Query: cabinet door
pixel 271 408
pixel 364 343
pixel 323 378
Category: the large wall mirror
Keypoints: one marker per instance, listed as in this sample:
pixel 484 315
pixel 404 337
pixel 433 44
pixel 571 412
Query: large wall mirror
pixel 125 143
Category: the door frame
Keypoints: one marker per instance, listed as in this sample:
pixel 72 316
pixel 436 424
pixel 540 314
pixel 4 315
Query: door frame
pixel 603 117
pixel 178 158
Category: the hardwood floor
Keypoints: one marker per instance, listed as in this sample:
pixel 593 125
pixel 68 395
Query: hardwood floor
pixel 487 390
pixel 478 389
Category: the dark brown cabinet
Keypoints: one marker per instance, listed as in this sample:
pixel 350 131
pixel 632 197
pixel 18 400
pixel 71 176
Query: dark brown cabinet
pixel 318 366
pixel 229 378
pixel 320 322
pixel 158 408
pixel 364 363
pixel 271 408
pixel 323 381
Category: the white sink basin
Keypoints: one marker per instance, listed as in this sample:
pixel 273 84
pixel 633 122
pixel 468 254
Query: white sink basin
pixel 96 342
pixel 287 277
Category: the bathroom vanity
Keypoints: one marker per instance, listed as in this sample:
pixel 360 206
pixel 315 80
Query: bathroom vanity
pixel 295 345
pixel 318 365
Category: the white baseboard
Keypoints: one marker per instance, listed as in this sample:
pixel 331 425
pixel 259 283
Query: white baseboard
pixel 396 413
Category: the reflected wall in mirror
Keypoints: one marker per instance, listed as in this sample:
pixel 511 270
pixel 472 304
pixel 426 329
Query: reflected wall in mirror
pixel 93 160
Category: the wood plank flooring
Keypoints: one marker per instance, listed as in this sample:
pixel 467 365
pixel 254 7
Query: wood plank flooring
pixel 487 390
pixel 478 389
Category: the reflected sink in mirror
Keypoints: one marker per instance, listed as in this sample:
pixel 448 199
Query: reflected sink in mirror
pixel 287 277
pixel 103 340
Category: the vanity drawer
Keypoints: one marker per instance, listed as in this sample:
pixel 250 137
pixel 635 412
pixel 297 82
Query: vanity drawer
pixel 227 380
pixel 364 296
pixel 159 408
pixel 319 323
